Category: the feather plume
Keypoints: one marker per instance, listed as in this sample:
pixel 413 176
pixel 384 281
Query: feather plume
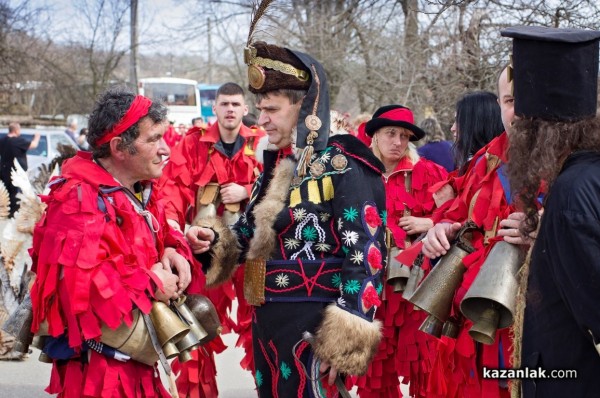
pixel 29 213
pixel 258 11
pixel 20 180
pixel 4 202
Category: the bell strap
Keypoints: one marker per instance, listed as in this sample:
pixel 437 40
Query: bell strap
pixel 154 338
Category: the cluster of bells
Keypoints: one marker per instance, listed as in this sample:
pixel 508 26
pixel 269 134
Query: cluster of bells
pixel 177 327
pixel 490 302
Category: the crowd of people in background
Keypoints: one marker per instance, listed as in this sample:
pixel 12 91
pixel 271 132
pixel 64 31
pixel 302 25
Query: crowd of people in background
pixel 327 230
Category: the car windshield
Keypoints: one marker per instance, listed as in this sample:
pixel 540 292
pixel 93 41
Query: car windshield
pixel 42 148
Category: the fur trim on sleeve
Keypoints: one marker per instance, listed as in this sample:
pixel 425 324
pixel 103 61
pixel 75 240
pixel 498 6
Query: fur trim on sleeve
pixel 347 341
pixel 224 254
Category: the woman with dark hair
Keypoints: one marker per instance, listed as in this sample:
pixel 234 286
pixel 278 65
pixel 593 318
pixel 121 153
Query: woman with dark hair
pixel 478 121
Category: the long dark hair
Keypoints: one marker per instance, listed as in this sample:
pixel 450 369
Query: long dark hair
pixel 478 121
pixel 537 152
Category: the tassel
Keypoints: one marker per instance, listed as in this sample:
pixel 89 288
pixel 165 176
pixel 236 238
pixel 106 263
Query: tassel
pixel 314 195
pixel 327 188
pixel 305 157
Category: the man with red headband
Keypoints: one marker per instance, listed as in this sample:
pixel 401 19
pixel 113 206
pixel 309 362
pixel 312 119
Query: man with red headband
pixel 103 252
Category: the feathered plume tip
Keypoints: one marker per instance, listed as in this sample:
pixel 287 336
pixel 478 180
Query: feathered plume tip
pixel 259 9
pixel 4 202
pixel 29 213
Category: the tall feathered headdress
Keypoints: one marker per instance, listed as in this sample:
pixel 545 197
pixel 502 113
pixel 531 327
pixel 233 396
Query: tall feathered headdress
pixel 271 68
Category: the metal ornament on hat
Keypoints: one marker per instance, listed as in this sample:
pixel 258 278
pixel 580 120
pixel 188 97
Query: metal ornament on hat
pixel 313 123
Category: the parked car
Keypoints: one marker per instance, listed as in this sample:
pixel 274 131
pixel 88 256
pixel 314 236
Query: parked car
pixel 47 148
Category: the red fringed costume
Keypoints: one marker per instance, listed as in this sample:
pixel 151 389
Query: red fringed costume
pixel 195 162
pixel 92 253
pixel 483 188
pixel 404 351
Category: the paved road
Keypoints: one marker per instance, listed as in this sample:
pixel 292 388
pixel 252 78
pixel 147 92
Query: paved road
pixel 27 379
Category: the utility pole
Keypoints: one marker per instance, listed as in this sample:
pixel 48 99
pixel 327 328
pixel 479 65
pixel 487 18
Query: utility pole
pixel 209 42
pixel 133 67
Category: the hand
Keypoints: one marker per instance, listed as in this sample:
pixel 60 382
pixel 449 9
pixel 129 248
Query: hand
pixel 200 239
pixel 171 259
pixel 169 282
pixel 509 229
pixel 174 224
pixel 326 368
pixel 443 195
pixel 233 193
pixel 415 225
pixel 437 241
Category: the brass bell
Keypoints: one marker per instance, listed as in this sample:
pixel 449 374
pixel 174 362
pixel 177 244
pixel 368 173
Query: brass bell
pixel 450 329
pixel 434 295
pixel 205 312
pixel 191 340
pixel 484 329
pixel 494 290
pixel 132 340
pixel 18 325
pixel 433 326
pixel 414 279
pixel 397 273
pixel 169 328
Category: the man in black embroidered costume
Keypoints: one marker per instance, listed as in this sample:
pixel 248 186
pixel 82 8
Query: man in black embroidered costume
pixel 312 236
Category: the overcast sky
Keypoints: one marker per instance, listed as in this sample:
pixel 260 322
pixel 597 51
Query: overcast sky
pixel 156 18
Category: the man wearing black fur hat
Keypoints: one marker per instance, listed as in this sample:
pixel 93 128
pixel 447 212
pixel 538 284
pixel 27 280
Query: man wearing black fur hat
pixel 556 139
pixel 312 236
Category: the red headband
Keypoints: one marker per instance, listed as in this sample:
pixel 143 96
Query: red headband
pixel 138 109
pixel 399 115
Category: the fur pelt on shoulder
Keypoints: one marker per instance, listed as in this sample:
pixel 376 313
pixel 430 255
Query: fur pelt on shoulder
pixel 348 342
pixel 265 212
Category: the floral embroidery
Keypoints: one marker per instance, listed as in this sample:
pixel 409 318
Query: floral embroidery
pixel 340 223
pixel 245 231
pixel 375 258
pixel 299 214
pixel 282 280
pixel 370 297
pixel 350 214
pixel 324 216
pixel 291 243
pixel 309 233
pixel 383 216
pixel 285 370
pixel 322 247
pixel 357 257
pixel 341 302
pixel 379 288
pixel 352 286
pixel 350 237
pixel 336 280
pixel 345 250
pixel 259 378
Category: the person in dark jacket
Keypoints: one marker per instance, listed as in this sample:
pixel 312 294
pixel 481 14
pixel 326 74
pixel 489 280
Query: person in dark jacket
pixel 312 235
pixel 556 140
pixel 436 148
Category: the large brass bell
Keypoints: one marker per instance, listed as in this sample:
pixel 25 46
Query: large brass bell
pixel 18 325
pixel 205 312
pixel 490 302
pixel 435 294
pixel 132 340
pixel 197 333
pixel 397 273
pixel 169 328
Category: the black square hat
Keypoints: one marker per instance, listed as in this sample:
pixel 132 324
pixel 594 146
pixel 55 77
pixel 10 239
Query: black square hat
pixel 555 72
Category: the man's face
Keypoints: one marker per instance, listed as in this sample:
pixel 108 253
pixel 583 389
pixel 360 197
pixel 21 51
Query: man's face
pixel 278 116
pixel 506 100
pixel 152 151
pixel 229 110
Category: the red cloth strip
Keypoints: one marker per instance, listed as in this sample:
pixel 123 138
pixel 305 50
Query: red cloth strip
pixel 138 109
pixel 399 114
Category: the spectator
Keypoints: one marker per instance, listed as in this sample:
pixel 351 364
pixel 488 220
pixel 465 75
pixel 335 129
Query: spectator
pixel 12 147
pixel 71 131
pixel 436 148
pixel 82 139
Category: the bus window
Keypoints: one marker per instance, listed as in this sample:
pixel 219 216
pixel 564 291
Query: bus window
pixel 179 95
